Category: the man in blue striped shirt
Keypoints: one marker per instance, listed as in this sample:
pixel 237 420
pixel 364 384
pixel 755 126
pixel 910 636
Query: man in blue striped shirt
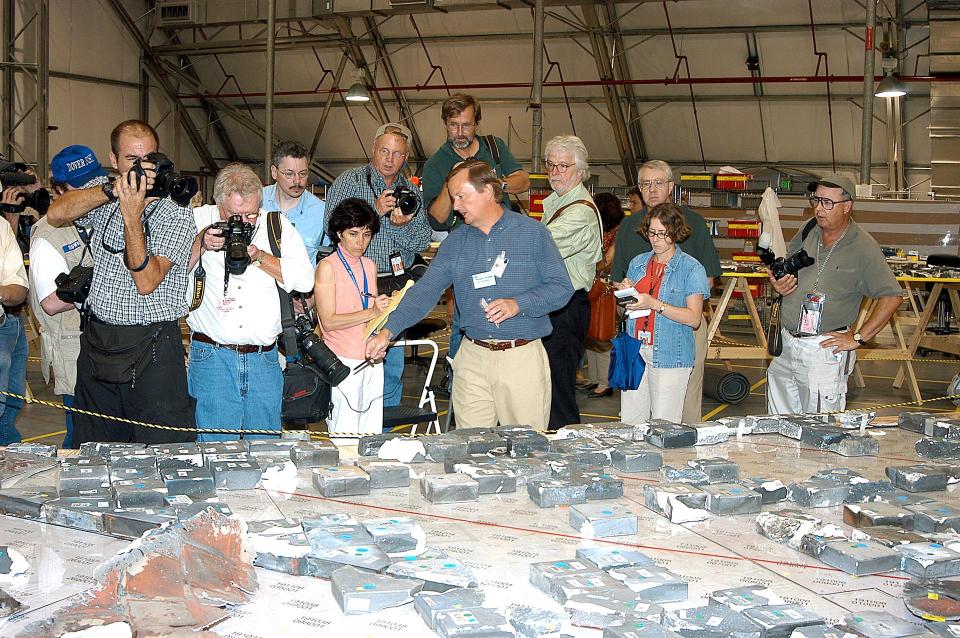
pixel 507 276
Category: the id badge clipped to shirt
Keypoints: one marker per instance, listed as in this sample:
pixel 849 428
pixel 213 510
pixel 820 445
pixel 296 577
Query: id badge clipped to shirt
pixel 811 312
pixel 396 264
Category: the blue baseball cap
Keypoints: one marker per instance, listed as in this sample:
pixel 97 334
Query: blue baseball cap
pixel 76 165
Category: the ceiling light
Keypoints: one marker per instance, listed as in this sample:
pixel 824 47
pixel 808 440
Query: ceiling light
pixel 891 86
pixel 357 93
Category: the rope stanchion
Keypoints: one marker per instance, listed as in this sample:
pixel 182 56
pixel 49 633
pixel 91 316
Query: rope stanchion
pixel 172 428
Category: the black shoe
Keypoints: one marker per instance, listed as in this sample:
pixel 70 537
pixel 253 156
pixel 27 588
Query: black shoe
pixel 587 387
pixel 606 393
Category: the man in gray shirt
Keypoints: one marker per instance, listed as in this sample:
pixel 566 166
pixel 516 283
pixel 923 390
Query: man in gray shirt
pixel 821 304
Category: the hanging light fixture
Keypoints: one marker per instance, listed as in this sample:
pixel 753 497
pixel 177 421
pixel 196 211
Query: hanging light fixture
pixel 891 86
pixel 357 93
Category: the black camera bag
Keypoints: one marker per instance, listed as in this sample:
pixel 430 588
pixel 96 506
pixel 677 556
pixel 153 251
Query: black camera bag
pixel 774 339
pixel 306 397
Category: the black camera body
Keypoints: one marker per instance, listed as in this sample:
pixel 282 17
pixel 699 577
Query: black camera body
pixel 407 200
pixel 74 287
pixel 168 182
pixel 328 365
pixel 15 174
pixel 783 266
pixel 237 235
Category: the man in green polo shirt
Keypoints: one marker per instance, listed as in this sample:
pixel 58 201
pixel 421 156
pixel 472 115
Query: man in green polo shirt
pixel 461 116
pixel 656 187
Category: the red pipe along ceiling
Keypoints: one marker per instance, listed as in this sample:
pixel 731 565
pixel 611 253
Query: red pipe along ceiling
pixel 782 79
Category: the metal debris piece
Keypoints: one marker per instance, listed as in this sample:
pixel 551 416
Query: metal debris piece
pixel 449 488
pixel 609 557
pixel 607 608
pixel 236 475
pixel 860 558
pixel 636 458
pixel 438 570
pixel 711 621
pixel 531 622
pixel 362 592
pixel 429 604
pixel 341 480
pixel 397 536
pixel 740 598
pixel 555 492
pixel 929 560
pixel 179 576
pixel 602 520
pixel 477 622
pixel 919 478
pixel 385 474
pixel 780 621
pixel 26 501
pixel 651 583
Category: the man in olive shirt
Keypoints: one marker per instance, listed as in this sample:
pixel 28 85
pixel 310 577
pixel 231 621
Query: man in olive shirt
pixel 574 223
pixel 656 187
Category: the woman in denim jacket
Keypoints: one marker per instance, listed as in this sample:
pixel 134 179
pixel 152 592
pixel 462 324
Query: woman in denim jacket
pixel 671 287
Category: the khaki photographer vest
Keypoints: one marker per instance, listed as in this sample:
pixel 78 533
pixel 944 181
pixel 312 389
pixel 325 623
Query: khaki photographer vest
pixel 59 334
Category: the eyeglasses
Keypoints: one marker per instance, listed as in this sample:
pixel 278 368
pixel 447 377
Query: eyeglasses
pixel 657 234
pixel 560 168
pixel 385 153
pixel 461 126
pixel 653 184
pixel 292 174
pixel 825 202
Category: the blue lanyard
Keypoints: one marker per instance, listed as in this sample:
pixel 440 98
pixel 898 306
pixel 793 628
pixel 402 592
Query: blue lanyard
pixel 364 299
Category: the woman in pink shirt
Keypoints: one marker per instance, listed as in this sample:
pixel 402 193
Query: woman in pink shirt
pixel 346 296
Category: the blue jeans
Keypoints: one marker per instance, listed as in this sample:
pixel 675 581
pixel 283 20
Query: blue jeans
pixel 68 443
pixel 234 391
pixel 393 376
pixel 13 376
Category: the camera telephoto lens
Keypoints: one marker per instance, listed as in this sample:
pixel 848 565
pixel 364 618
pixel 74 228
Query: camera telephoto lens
pixel 331 369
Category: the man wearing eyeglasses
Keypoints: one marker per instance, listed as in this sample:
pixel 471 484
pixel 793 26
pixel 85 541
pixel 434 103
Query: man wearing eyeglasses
pixel 461 117
pixel 656 187
pixel 234 371
pixel 402 235
pixel 574 223
pixel 290 170
pixel 131 361
pixel 820 305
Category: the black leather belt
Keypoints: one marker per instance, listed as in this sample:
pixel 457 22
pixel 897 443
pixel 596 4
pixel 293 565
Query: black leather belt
pixel 803 336
pixel 248 349
pixel 497 346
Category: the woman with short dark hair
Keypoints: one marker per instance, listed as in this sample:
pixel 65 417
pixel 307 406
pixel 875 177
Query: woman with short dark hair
pixel 346 296
pixel 671 287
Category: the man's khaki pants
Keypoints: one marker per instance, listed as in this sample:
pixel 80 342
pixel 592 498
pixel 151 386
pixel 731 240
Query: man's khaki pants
pixel 693 399
pixel 510 387
pixel 806 378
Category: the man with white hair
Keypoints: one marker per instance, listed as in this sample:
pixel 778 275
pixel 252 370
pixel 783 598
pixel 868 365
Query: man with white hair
pixel 234 371
pixel 574 223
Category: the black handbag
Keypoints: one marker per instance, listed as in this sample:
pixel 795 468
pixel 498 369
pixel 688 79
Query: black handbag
pixel 118 354
pixel 306 396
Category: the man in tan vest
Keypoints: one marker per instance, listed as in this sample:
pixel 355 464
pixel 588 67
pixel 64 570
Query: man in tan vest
pixel 54 251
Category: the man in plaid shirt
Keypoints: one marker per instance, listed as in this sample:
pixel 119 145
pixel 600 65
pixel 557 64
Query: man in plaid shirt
pixel 131 361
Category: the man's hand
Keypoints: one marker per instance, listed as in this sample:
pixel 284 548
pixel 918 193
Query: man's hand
pixel 785 285
pixel 11 196
pixel 29 188
pixel 621 285
pixel 131 177
pixel 132 194
pixel 398 219
pixel 386 204
pixel 377 347
pixel 499 310
pixel 840 342
pixel 380 303
pixel 212 239
pixel 253 252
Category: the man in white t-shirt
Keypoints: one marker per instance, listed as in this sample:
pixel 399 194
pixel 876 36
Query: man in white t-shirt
pixel 234 372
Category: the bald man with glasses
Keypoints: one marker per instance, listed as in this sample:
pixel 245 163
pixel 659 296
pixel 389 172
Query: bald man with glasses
pixel 820 305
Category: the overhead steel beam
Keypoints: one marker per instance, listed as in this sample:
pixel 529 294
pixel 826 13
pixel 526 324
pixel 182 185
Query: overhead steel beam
pixel 9 55
pixel 536 93
pixel 156 70
pixel 289 43
pixel 406 114
pixel 621 67
pixel 601 55
pixel 582 99
pixel 43 85
pixel 869 59
pixel 269 81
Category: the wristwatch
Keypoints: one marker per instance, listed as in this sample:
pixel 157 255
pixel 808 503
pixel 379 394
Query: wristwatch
pixel 258 262
pixel 108 191
pixel 503 186
pixel 662 307
pixel 859 338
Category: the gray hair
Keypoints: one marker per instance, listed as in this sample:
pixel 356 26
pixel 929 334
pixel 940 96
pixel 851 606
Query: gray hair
pixel 573 145
pixel 236 178
pixel 656 165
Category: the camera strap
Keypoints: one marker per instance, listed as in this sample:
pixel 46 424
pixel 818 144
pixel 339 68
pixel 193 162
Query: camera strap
pixel 288 324
pixel 774 340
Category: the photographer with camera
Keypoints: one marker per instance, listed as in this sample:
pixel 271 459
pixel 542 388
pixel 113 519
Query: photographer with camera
pixel 290 170
pixel 55 253
pixel 404 231
pixel 347 298
pixel 821 303
pixel 234 372
pixel 131 361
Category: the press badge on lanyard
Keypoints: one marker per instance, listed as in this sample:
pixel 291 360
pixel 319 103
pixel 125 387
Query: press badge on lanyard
pixel 810 313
